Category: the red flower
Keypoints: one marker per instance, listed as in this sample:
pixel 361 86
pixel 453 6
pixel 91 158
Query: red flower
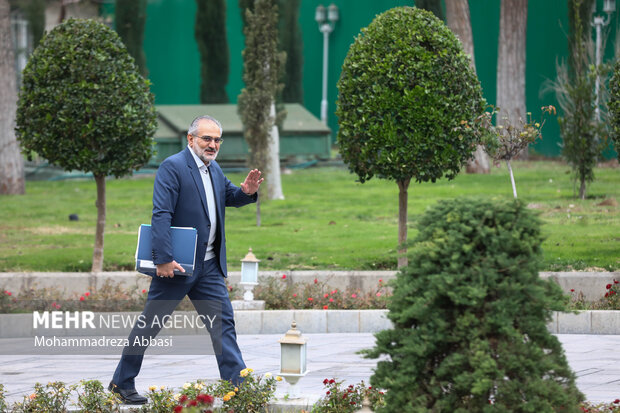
pixel 378 294
pixel 606 295
pixel 192 403
pixel 572 290
pixel 310 298
pixel 8 293
pixel 325 381
pixel 353 295
pixel 331 300
pixel 327 392
pixel 183 398
pixel 205 398
pixel 294 294
pixel 616 282
pixel 87 294
pixel 144 291
pixel 178 409
pixel 380 280
pixel 608 286
pixel 316 281
pixel 325 295
pixel 284 276
pixel 617 400
pixel 325 307
pixel 334 292
pixel 82 298
pixel 332 381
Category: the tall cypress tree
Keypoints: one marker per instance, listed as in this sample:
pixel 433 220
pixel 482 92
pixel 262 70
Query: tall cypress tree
pixel 210 32
pixel 130 22
pixel 291 42
pixel 434 6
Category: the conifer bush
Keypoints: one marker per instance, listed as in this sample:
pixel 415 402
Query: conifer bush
pixel 470 314
pixel 614 107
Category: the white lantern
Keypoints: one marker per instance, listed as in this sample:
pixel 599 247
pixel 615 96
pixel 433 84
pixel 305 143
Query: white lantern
pixel 249 274
pixel 293 358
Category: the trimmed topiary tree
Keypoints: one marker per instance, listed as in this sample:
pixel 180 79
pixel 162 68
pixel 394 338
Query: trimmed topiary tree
pixel 84 106
pixel 406 87
pixel 614 107
pixel 470 314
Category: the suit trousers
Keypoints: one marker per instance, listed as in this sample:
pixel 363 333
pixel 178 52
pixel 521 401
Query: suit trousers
pixel 209 295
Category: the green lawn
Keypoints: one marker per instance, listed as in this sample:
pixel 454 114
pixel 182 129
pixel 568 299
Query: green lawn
pixel 328 220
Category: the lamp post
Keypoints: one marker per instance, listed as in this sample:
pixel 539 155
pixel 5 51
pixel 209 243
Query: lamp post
pixel 293 358
pixel 609 7
pixel 326 18
pixel 249 275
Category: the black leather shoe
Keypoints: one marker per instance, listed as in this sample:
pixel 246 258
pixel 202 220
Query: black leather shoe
pixel 128 396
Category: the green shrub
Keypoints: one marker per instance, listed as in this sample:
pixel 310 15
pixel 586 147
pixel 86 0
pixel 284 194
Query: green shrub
pixel 94 398
pixel 614 106
pixel 406 86
pixel 470 314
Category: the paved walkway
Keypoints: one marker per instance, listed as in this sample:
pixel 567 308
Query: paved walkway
pixel 594 358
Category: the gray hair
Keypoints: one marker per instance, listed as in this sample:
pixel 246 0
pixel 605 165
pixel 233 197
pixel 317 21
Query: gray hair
pixel 193 127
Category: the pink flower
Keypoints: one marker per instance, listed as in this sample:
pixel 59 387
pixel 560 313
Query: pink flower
pixel 325 307
pixel 331 300
pixel 8 293
pixel 353 295
pixel 284 276
pixel 310 298
pixel 378 294
pixel 325 295
pixel 144 291
pixel 294 294
pixel 87 294
pixel 82 298
pixel 334 292
pixel 380 280
pixel 316 281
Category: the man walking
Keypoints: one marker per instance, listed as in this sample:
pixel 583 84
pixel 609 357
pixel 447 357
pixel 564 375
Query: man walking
pixel 191 191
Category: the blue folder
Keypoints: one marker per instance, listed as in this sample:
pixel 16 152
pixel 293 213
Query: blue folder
pixel 183 250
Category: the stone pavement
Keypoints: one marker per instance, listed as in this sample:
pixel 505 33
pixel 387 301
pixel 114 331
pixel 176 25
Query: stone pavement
pixel 594 358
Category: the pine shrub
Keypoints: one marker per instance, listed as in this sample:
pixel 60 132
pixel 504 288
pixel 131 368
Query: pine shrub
pixel 470 314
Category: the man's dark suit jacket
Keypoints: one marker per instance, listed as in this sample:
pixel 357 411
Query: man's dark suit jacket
pixel 179 200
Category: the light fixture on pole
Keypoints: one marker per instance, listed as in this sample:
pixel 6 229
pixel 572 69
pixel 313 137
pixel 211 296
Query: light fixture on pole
pixel 293 358
pixel 609 7
pixel 326 18
pixel 249 275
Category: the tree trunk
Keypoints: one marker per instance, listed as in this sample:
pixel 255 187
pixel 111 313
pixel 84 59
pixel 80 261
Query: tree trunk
pixel 511 63
pixel 98 250
pixel 402 222
pixel 459 21
pixel 273 172
pixel 582 188
pixel 11 161
pixel 512 179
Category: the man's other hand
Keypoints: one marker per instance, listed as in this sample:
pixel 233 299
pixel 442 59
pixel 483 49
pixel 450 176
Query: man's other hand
pixel 167 269
pixel 252 182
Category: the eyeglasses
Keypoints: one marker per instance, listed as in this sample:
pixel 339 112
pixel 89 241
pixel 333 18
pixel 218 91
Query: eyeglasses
pixel 209 139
